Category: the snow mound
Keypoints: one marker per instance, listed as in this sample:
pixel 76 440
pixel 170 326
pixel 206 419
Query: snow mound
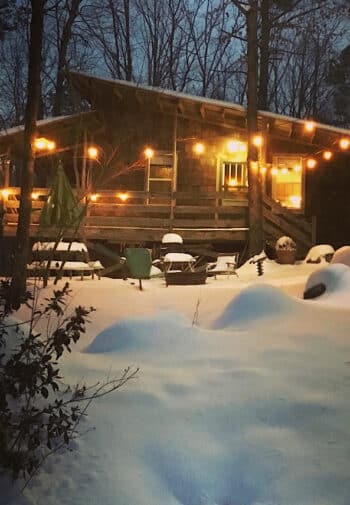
pixel 256 302
pixel 336 278
pixel 143 334
pixel 342 255
pixel 319 252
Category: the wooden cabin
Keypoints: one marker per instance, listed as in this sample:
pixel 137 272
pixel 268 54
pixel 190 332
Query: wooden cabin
pixel 168 161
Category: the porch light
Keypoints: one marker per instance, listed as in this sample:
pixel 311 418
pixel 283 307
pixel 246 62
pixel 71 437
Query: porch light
pixel 344 143
pixel 257 140
pixel 327 155
pixel 123 196
pixel 311 163
pixel 310 126
pixel 35 196
pixel 5 193
pixel 274 171
pixel 93 197
pixel 199 148
pixel 92 152
pixel 297 168
pixel 149 153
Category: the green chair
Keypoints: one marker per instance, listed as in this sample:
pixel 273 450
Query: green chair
pixel 139 262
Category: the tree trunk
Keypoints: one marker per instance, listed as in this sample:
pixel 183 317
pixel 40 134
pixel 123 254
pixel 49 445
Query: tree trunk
pixel 264 55
pixel 18 286
pixel 254 190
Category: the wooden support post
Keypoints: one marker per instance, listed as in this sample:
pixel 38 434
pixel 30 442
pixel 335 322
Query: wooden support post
pixel 174 178
pixel 83 168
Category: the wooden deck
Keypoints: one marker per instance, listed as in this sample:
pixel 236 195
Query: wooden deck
pixel 146 217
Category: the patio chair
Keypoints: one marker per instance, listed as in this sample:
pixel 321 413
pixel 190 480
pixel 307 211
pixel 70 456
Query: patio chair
pixel 139 262
pixel 224 265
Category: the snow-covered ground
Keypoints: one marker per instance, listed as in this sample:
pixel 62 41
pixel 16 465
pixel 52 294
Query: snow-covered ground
pixel 242 396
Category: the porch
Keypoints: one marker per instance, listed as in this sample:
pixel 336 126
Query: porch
pixel 145 216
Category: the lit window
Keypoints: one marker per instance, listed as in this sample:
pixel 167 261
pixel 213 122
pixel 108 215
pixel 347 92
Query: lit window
pixel 234 174
pixel 287 181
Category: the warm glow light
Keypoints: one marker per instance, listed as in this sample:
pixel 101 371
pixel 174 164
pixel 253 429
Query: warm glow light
pixel 123 196
pixel 257 140
pixel 274 171
pixel 149 153
pixel 254 165
pixel 92 152
pixel 40 143
pixel 327 155
pixel 295 200
pixel 51 145
pixel 311 163
pixel 232 182
pixel 344 143
pixel 263 170
pixel 310 126
pixel 94 197
pixel 5 193
pixel 233 146
pixel 35 196
pixel 297 168
pixel 199 148
pixel 284 171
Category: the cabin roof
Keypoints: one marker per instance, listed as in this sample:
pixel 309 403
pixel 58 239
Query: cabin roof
pixel 223 113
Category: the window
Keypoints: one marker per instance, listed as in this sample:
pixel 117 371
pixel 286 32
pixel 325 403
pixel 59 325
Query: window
pixel 287 181
pixel 234 174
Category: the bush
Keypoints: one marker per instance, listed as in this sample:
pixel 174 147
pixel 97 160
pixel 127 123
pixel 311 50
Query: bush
pixel 38 413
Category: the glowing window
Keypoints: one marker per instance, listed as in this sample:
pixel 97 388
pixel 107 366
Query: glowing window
pixel 287 181
pixel 234 174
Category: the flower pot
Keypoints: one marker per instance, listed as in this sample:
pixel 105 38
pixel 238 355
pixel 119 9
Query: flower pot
pixel 285 256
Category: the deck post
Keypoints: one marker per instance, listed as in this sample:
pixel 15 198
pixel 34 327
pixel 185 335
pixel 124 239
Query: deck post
pixel 174 181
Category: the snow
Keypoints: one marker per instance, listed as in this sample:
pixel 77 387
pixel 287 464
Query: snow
pixel 342 255
pixel 170 257
pixel 172 238
pixel 318 253
pixel 241 398
pixel 61 246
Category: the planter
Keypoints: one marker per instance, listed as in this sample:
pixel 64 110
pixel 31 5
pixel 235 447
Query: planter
pixel 185 278
pixel 285 256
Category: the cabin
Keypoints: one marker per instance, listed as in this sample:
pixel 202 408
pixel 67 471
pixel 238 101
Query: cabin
pixel 149 161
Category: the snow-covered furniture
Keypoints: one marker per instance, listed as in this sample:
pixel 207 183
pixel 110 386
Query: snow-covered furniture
pixel 171 243
pixel 64 258
pixel 224 265
pixel 320 252
pixel 178 262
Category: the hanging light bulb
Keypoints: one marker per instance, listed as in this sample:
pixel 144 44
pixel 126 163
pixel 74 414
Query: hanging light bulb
pixel 92 152
pixel 309 126
pixel 257 140
pixel 327 155
pixel 311 163
pixel 149 153
pixel 199 148
pixel 344 143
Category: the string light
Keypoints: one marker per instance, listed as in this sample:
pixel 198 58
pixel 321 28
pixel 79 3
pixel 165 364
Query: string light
pixel 309 126
pixel 327 155
pixel 94 197
pixel 41 143
pixel 344 143
pixel 232 182
pixel 92 152
pixel 149 153
pixel 274 171
pixel 263 170
pixel 284 171
pixel 199 148
pixel 311 163
pixel 5 193
pixel 297 168
pixel 35 196
pixel 257 140
pixel 232 146
pixel 51 145
pixel 123 196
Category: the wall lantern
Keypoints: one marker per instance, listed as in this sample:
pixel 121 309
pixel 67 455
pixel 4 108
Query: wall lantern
pixel 257 140
pixel 199 148
pixel 310 126
pixel 327 155
pixel 92 152
pixel 344 143
pixel 149 153
pixel 311 163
